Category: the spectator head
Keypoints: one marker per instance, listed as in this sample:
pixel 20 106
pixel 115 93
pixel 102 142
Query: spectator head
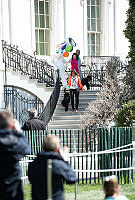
pixel 6 119
pixel 51 143
pixel 78 52
pixel 111 186
pixel 32 112
pixel 73 73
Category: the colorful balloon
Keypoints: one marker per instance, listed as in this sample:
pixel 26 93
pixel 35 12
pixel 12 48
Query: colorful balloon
pixel 68 48
pixel 63 47
pixel 65 54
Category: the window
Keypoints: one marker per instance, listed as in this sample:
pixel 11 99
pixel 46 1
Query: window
pixel 42 27
pixel 94 27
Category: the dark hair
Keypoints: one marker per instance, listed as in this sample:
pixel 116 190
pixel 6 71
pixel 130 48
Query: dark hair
pixel 32 112
pixel 6 119
pixel 74 55
pixel 73 71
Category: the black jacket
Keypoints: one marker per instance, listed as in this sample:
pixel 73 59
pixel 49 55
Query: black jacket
pixel 37 173
pixel 34 124
pixel 13 147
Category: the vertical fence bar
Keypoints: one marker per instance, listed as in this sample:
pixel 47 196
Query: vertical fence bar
pixel 124 156
pixel 129 157
pixel 67 138
pixel 86 139
pixel 114 145
pixel 91 155
pixel 63 131
pixel 82 156
pixel 121 155
pixel 111 142
pixel 98 149
pixel 78 152
pixel 118 155
pixel 70 146
pixel 132 175
pixel 94 155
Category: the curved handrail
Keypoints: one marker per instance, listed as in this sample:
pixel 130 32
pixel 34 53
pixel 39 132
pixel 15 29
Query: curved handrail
pixel 27 65
pixel 52 102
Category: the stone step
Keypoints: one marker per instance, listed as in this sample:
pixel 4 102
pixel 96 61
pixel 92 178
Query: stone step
pixel 60 109
pixel 63 121
pixel 82 97
pixel 81 102
pixel 67 114
pixel 67 117
pixel 64 126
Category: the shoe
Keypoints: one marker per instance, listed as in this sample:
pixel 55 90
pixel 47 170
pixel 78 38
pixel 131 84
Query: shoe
pixel 76 111
pixel 73 110
pixel 66 109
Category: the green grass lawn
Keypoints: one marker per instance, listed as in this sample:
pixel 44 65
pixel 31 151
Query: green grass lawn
pixel 87 191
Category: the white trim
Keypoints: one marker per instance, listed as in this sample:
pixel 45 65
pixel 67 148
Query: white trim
pixel 10 26
pixel 32 22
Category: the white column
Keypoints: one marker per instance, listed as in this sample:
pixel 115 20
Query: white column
pixel 10 25
pixel 114 24
pixel 85 40
pixel 32 25
pixel 64 17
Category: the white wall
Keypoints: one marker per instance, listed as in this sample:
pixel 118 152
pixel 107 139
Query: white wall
pixel 21 28
pixel 114 16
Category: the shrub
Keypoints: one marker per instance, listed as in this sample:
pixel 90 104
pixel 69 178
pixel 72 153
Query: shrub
pixel 126 114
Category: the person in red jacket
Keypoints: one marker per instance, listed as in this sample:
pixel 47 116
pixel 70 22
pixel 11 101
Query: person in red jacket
pixel 74 86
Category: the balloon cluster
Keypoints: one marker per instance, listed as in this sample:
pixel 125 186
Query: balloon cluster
pixel 65 47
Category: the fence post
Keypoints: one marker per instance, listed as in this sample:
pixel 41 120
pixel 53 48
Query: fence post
pixel 86 139
pixel 78 151
pixel 82 156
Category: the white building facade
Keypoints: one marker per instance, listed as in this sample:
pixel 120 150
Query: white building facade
pixel 39 25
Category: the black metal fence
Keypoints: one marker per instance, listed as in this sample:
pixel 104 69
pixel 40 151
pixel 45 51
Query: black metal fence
pixel 18 102
pixel 27 65
pixel 52 102
pixel 102 151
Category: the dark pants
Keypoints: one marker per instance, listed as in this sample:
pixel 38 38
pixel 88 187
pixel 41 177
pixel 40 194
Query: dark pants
pixel 74 92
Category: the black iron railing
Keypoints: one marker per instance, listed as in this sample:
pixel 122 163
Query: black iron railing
pixel 19 101
pixel 52 102
pixel 95 63
pixel 100 62
pixel 27 65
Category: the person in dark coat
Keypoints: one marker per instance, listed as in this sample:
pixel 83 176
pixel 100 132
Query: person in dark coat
pixel 61 171
pixel 13 147
pixel 33 123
